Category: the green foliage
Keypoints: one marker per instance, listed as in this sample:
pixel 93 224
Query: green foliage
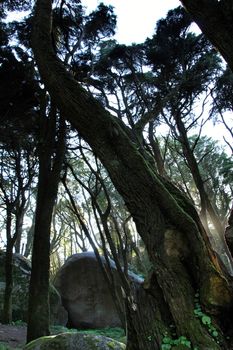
pixel 17 97
pixel 205 319
pixel 182 342
pixel 7 347
pixel 182 58
pixel 114 333
pixel 215 168
pixel 18 323
pixel 223 93
pixel 61 329
pixel 169 343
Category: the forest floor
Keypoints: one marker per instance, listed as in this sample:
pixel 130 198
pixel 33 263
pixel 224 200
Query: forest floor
pixel 13 336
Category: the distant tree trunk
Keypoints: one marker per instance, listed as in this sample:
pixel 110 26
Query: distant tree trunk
pixel 49 175
pixel 18 241
pixel 156 151
pixel 30 235
pixel 175 239
pixel 206 205
pixel 20 212
pixel 17 208
pixel 7 310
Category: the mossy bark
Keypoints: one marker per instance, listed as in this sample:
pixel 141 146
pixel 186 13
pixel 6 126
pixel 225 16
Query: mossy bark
pixel 174 237
pixel 148 317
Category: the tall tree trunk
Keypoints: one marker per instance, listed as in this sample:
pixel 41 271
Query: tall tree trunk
pixel 18 241
pixel 156 151
pixel 49 174
pixel 20 212
pixel 206 205
pixel 30 235
pixel 175 239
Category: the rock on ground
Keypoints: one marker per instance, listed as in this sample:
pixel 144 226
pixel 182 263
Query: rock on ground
pixel 75 341
pixel 85 293
pixel 12 336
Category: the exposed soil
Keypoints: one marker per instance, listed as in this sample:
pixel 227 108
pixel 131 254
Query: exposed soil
pixel 14 336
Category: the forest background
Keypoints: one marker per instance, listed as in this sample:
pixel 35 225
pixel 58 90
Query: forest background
pixel 55 189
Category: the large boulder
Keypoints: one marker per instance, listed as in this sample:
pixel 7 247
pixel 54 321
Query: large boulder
pixel 75 341
pixel 85 293
pixel 58 314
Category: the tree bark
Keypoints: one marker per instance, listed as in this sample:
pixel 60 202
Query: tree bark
pixel 175 240
pixel 215 20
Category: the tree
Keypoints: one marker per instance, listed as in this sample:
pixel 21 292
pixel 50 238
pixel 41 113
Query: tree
pixel 184 69
pixel 214 166
pixel 210 15
pixel 163 216
pixel 51 153
pixel 17 139
pixel 17 172
pixel 187 65
pixel 222 102
pixel 66 28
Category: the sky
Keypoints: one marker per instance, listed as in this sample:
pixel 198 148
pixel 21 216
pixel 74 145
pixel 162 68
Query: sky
pixel 136 19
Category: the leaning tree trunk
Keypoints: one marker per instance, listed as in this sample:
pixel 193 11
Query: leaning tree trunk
pixel 175 240
pixel 210 15
pixel 49 175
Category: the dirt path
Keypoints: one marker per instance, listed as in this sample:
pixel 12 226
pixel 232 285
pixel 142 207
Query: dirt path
pixel 14 336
